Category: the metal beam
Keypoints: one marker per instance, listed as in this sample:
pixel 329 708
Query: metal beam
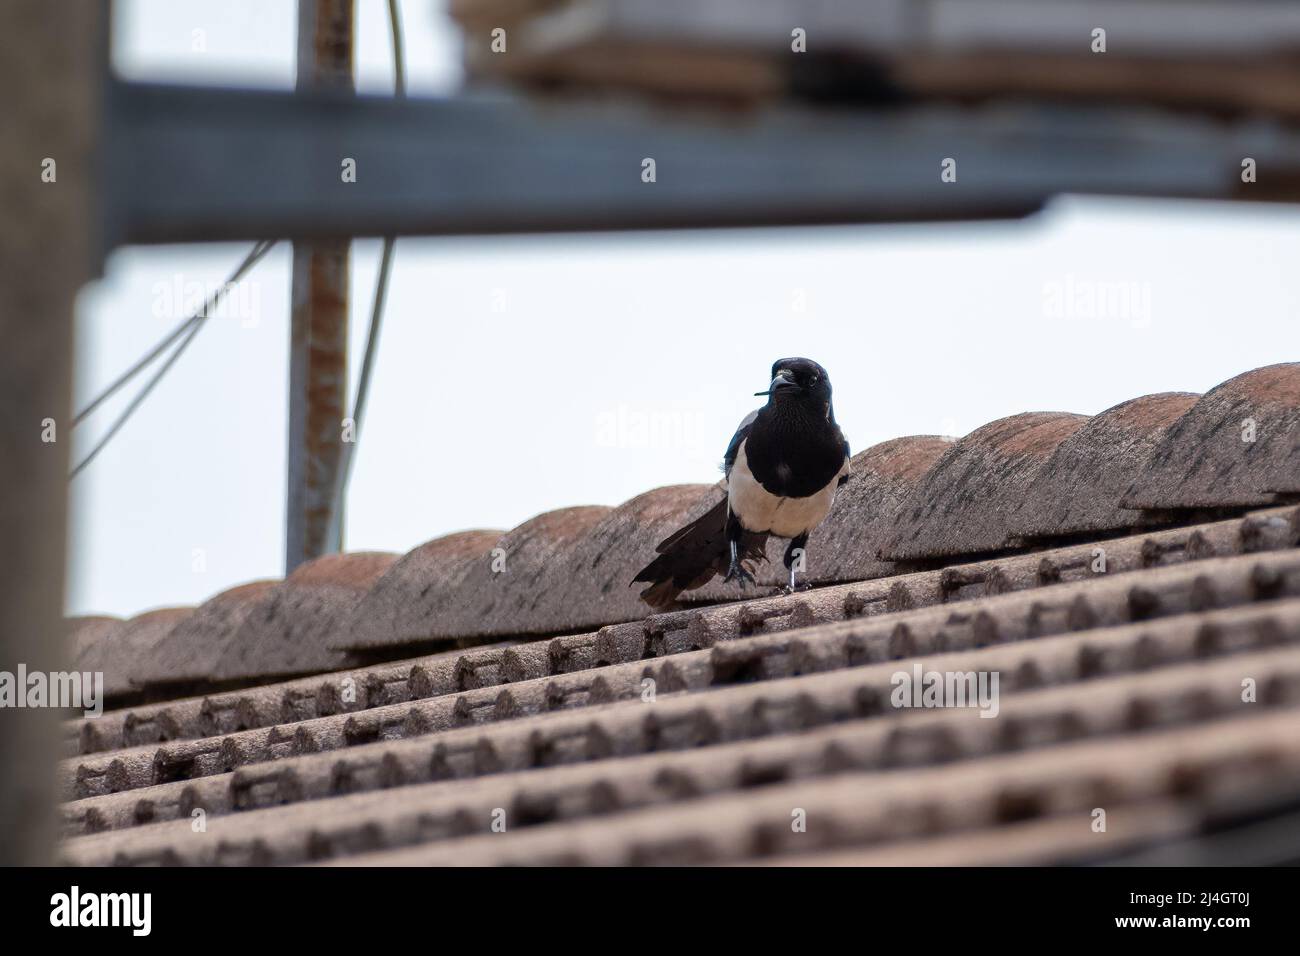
pixel 318 348
pixel 205 165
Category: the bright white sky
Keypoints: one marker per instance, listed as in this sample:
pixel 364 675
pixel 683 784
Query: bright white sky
pixel 518 375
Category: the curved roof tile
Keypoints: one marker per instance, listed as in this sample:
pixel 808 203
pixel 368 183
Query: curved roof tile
pixel 962 504
pixel 1207 460
pixel 123 652
pixel 592 588
pixel 84 632
pixel 884 476
pixel 289 633
pixel 191 650
pixel 404 604
pixel 1080 487
pixel 499 592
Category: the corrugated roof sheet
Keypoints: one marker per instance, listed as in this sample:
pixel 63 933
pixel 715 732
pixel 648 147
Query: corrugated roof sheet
pixel 762 732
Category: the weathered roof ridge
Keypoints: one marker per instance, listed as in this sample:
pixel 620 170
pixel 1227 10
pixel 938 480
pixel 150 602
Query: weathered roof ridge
pixel 925 501
pixel 1239 446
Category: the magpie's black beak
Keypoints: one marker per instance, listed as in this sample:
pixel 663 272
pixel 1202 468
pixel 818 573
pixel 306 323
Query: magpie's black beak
pixel 779 384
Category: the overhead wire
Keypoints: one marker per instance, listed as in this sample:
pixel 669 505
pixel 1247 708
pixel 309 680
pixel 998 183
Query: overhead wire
pixel 185 332
pixel 212 302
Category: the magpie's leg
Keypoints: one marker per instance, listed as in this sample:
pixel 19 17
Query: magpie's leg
pixel 736 571
pixel 799 544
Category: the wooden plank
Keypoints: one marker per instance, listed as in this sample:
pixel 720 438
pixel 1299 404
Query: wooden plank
pixel 628 45
pixel 1207 28
pixel 1265 85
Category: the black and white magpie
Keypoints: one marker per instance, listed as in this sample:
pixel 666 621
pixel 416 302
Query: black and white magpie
pixel 783 467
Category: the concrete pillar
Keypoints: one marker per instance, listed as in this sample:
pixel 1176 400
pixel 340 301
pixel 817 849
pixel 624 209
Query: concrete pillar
pixel 51 67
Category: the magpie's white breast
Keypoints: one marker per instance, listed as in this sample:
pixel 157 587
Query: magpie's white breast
pixel 762 510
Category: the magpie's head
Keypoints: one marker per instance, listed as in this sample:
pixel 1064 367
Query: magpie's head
pixel 798 379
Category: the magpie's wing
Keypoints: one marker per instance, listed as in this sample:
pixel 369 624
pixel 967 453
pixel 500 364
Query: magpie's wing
pixel 848 455
pixel 733 449
pixel 695 554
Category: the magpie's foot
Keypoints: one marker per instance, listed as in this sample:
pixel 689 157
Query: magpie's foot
pixel 787 589
pixel 737 572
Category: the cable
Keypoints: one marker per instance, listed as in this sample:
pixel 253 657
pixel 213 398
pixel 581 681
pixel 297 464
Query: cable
pixel 188 329
pixel 259 250
pixel 136 402
pixel 399 62
pixel 344 475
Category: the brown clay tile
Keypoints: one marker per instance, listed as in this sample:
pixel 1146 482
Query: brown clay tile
pixel 124 651
pixel 506 593
pixel 590 588
pixel 403 606
pixel 292 632
pixel 1208 458
pixel 84 632
pixel 191 651
pixel 559 572
pixel 1078 490
pixel 962 504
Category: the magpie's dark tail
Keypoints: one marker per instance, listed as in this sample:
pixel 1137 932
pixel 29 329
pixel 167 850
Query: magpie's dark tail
pixel 691 556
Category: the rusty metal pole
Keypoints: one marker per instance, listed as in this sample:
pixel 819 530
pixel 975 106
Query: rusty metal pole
pixel 318 349
pixel 51 66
